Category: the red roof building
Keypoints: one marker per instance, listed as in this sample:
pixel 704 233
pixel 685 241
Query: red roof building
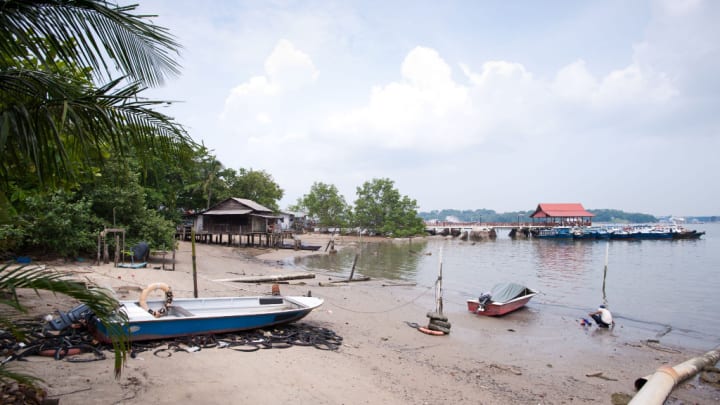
pixel 562 214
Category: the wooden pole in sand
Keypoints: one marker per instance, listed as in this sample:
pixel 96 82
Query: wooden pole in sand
pixel 352 271
pixel 438 291
pixel 192 237
pixel 607 252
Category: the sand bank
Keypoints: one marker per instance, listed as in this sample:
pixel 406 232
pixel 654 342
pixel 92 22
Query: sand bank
pixel 526 358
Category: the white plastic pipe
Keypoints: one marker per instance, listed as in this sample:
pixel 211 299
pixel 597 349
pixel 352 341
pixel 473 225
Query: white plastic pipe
pixel 659 385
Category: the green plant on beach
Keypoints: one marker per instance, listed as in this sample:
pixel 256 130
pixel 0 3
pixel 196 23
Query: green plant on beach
pixel 101 302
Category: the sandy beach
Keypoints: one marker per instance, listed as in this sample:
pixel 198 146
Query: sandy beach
pixel 529 358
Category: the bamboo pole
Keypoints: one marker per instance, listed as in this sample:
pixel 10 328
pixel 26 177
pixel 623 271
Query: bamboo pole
pixel 192 236
pixel 352 271
pixel 607 254
pixel 438 287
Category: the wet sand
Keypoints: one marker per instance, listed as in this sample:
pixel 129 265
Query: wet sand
pixel 528 357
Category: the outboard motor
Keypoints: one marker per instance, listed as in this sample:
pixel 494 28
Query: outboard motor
pixel 75 315
pixel 484 299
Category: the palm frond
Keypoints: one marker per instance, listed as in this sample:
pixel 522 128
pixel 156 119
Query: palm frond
pixel 142 50
pixel 52 118
pixel 101 302
pixel 7 374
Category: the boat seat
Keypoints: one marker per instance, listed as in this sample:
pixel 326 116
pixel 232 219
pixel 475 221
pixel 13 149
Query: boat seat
pixel 271 300
pixel 175 310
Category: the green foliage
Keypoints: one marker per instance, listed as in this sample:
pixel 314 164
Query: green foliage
pixel 485 215
pixel 60 223
pixel 478 215
pixel 616 216
pixel 256 185
pixel 119 200
pixel 57 127
pixel 85 33
pixel 152 228
pixel 12 238
pixel 380 208
pixel 326 205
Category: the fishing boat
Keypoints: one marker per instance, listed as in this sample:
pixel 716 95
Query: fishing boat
pixel 502 299
pixel 169 318
pixel 557 232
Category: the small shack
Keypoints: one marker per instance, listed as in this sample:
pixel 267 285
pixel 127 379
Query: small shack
pixel 238 217
pixel 563 214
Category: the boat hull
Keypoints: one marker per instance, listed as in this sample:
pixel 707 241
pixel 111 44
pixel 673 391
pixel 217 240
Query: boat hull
pixel 189 317
pixel 496 308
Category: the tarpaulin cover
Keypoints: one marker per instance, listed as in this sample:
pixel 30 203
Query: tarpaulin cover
pixel 504 292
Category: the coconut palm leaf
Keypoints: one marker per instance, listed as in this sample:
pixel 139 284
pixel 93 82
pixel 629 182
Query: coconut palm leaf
pixel 86 32
pixel 51 121
pixel 100 301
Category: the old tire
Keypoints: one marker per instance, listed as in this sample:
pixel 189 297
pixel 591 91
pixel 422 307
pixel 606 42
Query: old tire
pixel 437 316
pixel 434 327
pixel 441 324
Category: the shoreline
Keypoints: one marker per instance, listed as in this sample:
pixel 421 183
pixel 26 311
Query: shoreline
pixel 529 358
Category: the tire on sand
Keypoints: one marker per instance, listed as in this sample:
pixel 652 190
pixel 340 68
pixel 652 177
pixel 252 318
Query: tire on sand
pixel 434 327
pixel 442 324
pixel 437 316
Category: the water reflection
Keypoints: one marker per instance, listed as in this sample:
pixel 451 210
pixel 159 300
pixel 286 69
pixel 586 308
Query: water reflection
pixel 393 261
pixel 562 259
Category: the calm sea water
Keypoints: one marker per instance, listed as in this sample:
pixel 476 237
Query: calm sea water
pixel 656 285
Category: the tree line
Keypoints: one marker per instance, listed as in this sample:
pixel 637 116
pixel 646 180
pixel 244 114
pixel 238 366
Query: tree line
pixel 486 215
pixel 379 209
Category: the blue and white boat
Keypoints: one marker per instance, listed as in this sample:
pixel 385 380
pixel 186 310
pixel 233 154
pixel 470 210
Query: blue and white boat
pixel 202 316
pixel 557 232
pixel 591 233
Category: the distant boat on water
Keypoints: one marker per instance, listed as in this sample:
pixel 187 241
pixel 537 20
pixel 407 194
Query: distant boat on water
pixel 618 232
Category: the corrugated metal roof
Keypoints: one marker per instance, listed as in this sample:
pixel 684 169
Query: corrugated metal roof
pixel 266 216
pixel 566 210
pixel 227 212
pixel 252 204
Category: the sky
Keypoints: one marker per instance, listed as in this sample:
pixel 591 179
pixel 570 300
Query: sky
pixel 496 105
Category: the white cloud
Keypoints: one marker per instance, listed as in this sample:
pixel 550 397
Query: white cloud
pixel 408 113
pixel 534 103
pixel 287 69
pixel 428 110
pixel 290 68
pixel 574 82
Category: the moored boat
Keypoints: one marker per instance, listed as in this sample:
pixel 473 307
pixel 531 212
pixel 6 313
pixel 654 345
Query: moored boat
pixel 557 232
pixel 162 319
pixel 591 233
pixel 502 299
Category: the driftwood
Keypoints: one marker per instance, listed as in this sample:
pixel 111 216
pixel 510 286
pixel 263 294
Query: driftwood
pixel 600 375
pixel 266 279
pixel 352 280
pixel 399 285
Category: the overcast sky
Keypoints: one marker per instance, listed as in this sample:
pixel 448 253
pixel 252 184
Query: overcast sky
pixel 463 104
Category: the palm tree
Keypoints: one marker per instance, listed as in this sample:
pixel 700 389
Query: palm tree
pixel 55 121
